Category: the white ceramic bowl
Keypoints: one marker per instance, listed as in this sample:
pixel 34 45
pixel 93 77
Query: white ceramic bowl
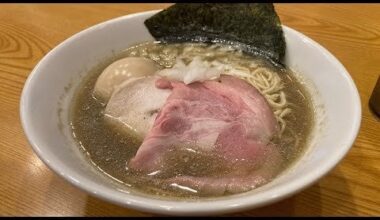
pixel 50 86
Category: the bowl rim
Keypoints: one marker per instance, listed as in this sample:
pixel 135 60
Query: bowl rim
pixel 153 205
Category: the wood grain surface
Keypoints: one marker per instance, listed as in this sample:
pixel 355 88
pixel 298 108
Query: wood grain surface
pixel 28 31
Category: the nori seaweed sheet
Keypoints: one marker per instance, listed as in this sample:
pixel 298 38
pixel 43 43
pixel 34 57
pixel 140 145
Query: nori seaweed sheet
pixel 254 27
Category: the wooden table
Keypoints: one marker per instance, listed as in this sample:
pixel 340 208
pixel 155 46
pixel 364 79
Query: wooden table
pixel 29 31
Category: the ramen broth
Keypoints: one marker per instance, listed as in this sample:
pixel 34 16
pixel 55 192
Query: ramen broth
pixel 110 149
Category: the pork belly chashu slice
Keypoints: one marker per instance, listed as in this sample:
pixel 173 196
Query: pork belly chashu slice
pixel 228 119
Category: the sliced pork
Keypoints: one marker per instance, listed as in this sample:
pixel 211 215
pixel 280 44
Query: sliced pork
pixel 134 106
pixel 236 179
pixel 227 118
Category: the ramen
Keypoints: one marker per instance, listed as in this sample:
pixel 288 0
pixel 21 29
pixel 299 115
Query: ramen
pixel 190 120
